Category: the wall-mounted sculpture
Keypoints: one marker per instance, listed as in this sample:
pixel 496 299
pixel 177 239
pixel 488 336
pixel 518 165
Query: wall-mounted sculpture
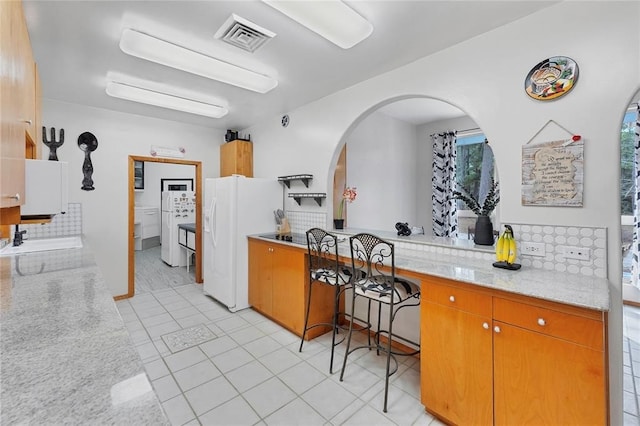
pixel 53 144
pixel 88 143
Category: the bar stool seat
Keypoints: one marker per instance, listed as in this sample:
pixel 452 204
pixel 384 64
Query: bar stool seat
pixel 326 269
pixel 378 282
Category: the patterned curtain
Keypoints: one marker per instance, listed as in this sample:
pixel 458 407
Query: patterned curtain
pixel 635 266
pixel 443 181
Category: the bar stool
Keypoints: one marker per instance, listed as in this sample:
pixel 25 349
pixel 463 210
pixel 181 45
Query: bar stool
pixel 326 269
pixel 378 282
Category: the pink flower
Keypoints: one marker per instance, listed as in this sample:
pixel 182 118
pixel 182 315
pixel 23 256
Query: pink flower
pixel 349 195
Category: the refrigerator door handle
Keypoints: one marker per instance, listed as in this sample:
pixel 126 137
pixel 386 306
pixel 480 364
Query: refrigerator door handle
pixel 212 222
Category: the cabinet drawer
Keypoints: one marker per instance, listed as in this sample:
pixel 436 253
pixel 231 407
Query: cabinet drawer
pixel 465 300
pixel 150 217
pixel 574 328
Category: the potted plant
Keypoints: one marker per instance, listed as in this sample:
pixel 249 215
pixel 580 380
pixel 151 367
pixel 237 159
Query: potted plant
pixel 348 196
pixel 483 234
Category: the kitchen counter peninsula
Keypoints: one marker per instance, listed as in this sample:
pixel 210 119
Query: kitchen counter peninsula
pixel 66 355
pixel 492 340
pixel 462 261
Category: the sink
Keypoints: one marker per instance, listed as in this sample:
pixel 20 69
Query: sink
pixel 46 244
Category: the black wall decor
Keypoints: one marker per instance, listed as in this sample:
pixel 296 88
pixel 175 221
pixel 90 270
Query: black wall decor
pixel 88 143
pixel 53 144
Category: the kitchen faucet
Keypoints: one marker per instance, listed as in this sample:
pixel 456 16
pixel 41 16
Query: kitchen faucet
pixel 17 236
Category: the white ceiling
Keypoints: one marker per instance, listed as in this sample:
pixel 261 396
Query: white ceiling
pixel 75 45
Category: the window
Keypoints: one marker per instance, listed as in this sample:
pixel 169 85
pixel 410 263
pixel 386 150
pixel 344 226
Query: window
pixel 474 166
pixel 627 175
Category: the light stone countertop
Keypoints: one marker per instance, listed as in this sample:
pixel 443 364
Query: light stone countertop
pixel 65 354
pixel 563 287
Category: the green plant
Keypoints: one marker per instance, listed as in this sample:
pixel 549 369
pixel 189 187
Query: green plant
pixel 490 201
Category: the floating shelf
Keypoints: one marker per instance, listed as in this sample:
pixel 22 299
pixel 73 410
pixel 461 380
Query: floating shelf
pixel 287 179
pixel 318 196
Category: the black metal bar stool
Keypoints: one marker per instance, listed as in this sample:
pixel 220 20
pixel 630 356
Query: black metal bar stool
pixel 377 281
pixel 326 269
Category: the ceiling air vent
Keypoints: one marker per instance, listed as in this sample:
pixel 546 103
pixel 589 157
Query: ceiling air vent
pixel 243 33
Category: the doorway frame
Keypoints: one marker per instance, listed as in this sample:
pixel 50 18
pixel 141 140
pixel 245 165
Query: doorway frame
pixel 131 227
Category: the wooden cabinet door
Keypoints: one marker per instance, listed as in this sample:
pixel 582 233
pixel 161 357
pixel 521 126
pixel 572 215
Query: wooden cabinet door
pixel 288 288
pixel 12 140
pixel 236 157
pixel 456 364
pixel 545 380
pixel 28 89
pixel 260 276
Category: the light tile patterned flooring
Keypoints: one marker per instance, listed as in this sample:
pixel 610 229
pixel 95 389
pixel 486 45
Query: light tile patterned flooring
pixel 252 373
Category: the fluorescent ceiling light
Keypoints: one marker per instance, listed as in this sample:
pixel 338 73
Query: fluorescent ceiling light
pixel 166 53
pixel 164 100
pixel 332 19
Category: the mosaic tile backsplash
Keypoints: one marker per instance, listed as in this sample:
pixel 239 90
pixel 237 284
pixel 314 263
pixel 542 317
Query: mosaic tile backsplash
pixel 557 237
pixel 62 225
pixel 554 239
pixel 300 221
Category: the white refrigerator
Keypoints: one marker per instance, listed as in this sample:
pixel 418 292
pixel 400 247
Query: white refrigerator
pixel 234 207
pixel 177 207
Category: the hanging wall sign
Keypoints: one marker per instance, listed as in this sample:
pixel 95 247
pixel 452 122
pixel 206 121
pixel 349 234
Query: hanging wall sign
pixel 552 173
pixel 551 78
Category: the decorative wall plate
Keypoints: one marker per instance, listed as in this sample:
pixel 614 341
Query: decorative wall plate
pixel 551 78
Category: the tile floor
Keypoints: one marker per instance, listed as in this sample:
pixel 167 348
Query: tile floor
pixel 152 274
pixel 250 371
pixel 247 370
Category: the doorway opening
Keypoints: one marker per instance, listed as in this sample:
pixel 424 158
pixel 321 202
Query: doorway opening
pixel 133 160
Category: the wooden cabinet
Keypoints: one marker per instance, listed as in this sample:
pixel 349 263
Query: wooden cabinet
pixel 549 366
pixel 12 142
pixel 456 354
pixel 236 158
pixel 487 359
pixel 279 284
pixel 19 109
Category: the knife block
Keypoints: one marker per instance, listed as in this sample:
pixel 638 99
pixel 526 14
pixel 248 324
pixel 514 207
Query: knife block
pixel 284 227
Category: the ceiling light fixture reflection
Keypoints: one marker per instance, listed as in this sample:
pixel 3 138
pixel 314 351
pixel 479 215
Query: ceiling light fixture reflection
pixel 153 49
pixel 164 100
pixel 332 19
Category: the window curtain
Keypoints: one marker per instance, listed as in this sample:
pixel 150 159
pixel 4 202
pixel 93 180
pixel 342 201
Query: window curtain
pixel 635 264
pixel 443 181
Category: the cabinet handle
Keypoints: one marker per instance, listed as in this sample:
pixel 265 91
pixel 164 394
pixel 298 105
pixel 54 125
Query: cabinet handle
pixel 496 329
pixel 485 325
pixel 29 122
pixel 15 197
pixel 541 322
pixel 452 299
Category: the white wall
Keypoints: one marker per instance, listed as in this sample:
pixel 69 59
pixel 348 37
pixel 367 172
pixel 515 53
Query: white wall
pixel 484 77
pixel 153 173
pixel 381 164
pixel 105 210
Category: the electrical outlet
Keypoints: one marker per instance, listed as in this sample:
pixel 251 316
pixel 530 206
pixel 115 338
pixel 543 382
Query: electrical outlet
pixel 532 249
pixel 580 253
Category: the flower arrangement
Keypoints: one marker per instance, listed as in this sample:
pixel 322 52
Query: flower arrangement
pixel 490 201
pixel 348 195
